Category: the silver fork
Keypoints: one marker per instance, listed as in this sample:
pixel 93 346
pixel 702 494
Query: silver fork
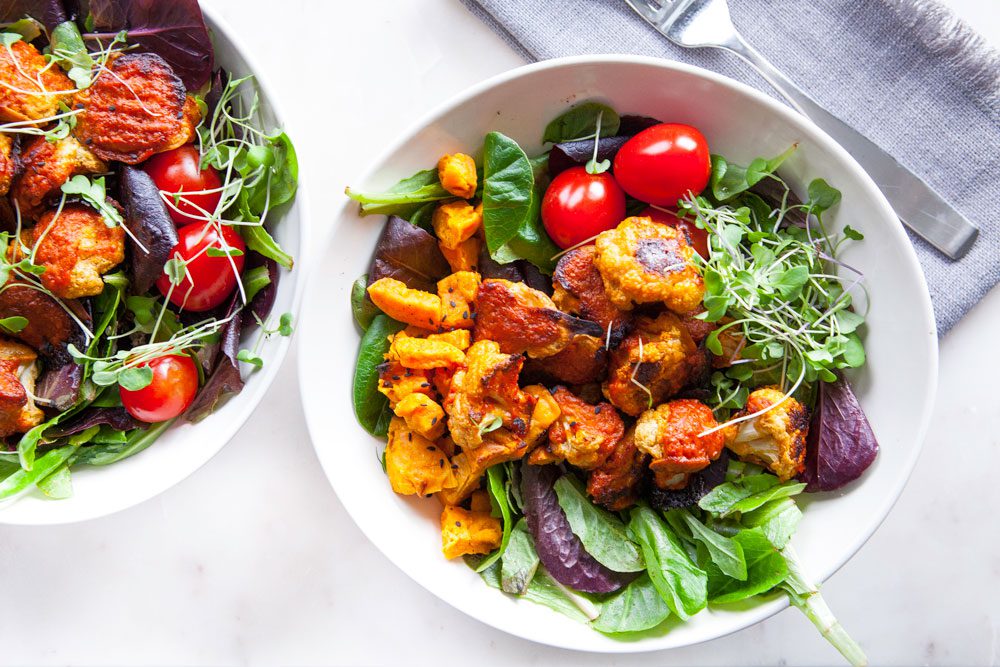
pixel 706 23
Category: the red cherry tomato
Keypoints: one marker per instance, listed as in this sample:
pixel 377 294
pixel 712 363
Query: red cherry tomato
pixel 578 206
pixel 209 279
pixel 177 171
pixel 175 382
pixel 697 237
pixel 663 163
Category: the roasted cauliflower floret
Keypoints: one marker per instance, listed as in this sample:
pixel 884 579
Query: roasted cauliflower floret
pixel 413 306
pixel 584 435
pixel 463 258
pixel 543 415
pixel 30 88
pixel 8 163
pixel 457 174
pixel 47 166
pixel 652 364
pixel 470 465
pixel 76 248
pixel 583 361
pixel 50 328
pixel 137 109
pixel 617 483
pixel 672 435
pixel 775 439
pixel 522 319
pixel 455 222
pixel 642 261
pixel 18 371
pixel 424 353
pixel 414 464
pixel 458 293
pixel 422 415
pixel 579 289
pixel 466 532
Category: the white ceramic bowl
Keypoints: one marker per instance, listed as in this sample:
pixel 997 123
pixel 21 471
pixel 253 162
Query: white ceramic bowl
pixel 896 388
pixel 98 491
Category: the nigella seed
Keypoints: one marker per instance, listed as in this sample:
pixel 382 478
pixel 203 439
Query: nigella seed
pixel 597 409
pixel 409 436
pixel 434 420
pixel 430 448
pixel 441 462
pixel 396 378
pixel 452 304
pixel 458 523
pixel 424 385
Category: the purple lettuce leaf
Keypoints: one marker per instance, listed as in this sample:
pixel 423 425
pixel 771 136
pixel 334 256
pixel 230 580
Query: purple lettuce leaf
pixel 578 153
pixel 175 30
pixel 841 444
pixel 49 13
pixel 698 486
pixel 225 379
pixel 59 386
pixel 117 418
pixel 408 254
pixel 559 550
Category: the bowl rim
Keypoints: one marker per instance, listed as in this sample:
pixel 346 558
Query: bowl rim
pixel 216 25
pixel 763 610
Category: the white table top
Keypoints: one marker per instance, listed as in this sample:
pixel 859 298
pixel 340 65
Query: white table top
pixel 253 559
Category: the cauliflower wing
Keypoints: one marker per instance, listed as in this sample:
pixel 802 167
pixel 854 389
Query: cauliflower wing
pixel 76 248
pixel 525 320
pixel 642 261
pixel 30 88
pixel 137 109
pixel 775 439
pixel 579 290
pixel 18 371
pixel 46 167
pixel 653 363
pixel 617 483
pixel 8 163
pixel 672 435
pixel 584 435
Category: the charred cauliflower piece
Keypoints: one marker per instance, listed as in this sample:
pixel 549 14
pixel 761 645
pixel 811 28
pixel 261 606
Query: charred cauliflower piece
pixel 775 439
pixel 414 464
pixel 584 435
pixel 642 261
pixel 50 329
pixel 617 483
pixel 583 361
pixel 579 289
pixel 47 166
pixel 525 320
pixel 76 248
pixel 457 174
pixel 30 88
pixel 672 435
pixel 466 532
pixel 652 364
pixel 137 109
pixel 18 371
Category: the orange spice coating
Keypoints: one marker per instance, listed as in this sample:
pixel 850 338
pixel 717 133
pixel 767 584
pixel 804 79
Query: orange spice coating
pixel 30 88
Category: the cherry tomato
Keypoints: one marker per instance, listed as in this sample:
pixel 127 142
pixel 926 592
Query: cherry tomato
pixel 578 206
pixel 209 279
pixel 663 163
pixel 697 237
pixel 177 171
pixel 175 382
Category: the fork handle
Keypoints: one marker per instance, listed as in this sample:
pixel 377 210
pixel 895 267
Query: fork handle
pixel 917 204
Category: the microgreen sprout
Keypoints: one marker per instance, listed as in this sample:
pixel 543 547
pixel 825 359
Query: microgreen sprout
pixel 593 166
pixel 284 329
pixel 489 424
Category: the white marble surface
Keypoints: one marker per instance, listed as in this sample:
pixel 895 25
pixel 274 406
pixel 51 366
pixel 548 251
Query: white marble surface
pixel 253 560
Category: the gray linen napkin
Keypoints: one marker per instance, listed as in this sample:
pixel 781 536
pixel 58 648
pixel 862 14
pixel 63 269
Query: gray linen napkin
pixel 907 73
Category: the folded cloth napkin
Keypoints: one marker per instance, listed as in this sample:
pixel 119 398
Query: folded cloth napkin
pixel 907 73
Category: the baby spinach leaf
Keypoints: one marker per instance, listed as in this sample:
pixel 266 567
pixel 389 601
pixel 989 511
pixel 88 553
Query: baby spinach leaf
pixel 581 121
pixel 725 552
pixel 603 534
pixel 635 608
pixel 362 307
pixel 720 499
pixel 777 519
pixel 784 490
pixel 112 452
pixel 729 180
pixel 496 485
pixel 546 591
pixel 519 562
pixel 680 582
pixel 766 568
pixel 369 404
pixel 403 198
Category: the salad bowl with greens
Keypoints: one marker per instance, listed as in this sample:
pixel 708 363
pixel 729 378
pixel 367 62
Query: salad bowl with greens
pixel 651 405
pixel 151 225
